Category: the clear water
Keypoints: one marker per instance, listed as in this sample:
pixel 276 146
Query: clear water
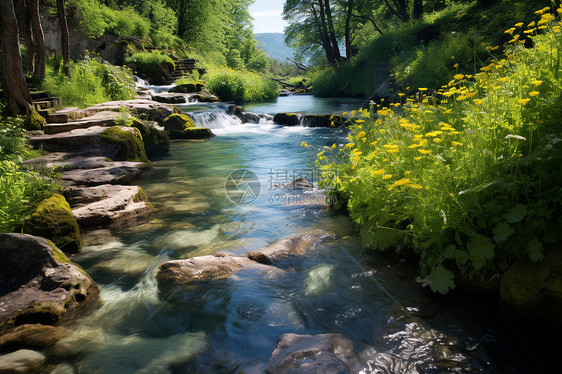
pixel 306 104
pixel 232 325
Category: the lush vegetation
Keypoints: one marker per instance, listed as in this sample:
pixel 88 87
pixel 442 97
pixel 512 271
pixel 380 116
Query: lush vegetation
pixel 469 176
pixel 239 86
pixel 91 81
pixel 20 188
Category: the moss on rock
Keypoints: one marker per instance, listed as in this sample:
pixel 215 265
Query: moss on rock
pixel 196 133
pixel 156 142
pixel 175 124
pixel 42 313
pixel 287 119
pixel 53 219
pixel 130 143
pixel 34 121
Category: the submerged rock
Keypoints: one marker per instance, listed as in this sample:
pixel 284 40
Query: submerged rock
pixel 22 361
pixel 298 184
pixel 287 119
pixel 534 289
pixel 38 284
pixel 206 269
pixel 108 205
pixel 33 336
pixel 326 353
pixel 287 247
pixel 53 219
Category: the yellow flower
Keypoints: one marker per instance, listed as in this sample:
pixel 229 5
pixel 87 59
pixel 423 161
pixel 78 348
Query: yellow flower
pixel 504 79
pixel 401 94
pixel 320 154
pixel 382 131
pixel 456 144
pixel 524 101
pixel 456 66
pixel 418 158
pixel 519 24
pixel 477 101
pixel 532 24
pixel 437 140
pixel 361 135
pixel 390 148
pixel 407 172
pixel 401 182
pixel 414 186
pixel 422 89
pixel 534 93
pixel 459 76
pixel 387 176
pixel 424 151
pixel 530 31
pixel 378 172
pixel 304 144
pixel 334 146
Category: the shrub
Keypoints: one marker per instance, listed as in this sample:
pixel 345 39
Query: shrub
pixel 240 86
pixel 469 178
pixel 150 65
pixel 92 81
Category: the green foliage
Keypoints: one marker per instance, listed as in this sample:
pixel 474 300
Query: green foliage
pixel 240 86
pixel 92 81
pixel 468 177
pixel 150 64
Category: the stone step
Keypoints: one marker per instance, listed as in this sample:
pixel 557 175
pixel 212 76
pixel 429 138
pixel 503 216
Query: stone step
pixel 108 205
pixel 47 103
pixel 103 119
pixel 65 115
pixel 122 172
pixel 39 95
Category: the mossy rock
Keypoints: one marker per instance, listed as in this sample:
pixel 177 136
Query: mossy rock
pixel 175 124
pixel 324 120
pixel 534 289
pixel 196 133
pixel 129 141
pixel 34 121
pixel 156 142
pixel 42 313
pixel 53 220
pixel 205 98
pixel 287 119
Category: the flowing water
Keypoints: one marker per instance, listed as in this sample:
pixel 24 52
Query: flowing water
pixel 232 325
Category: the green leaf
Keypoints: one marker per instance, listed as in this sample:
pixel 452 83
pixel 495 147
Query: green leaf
pixel 502 231
pixel 480 249
pixel 516 214
pixel 450 251
pixel 441 280
pixel 461 257
pixel 535 250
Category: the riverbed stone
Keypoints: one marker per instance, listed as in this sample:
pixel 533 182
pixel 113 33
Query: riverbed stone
pixel 114 173
pixel 206 269
pixel 169 98
pixel 203 97
pixel 534 289
pixel 108 205
pixel 53 219
pixel 155 139
pixel 38 284
pixel 325 353
pixel 293 245
pixel 324 120
pixel 22 361
pixel 287 119
pixel 32 336
pixel 299 184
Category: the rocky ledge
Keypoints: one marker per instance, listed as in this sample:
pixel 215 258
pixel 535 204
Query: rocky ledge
pixel 38 284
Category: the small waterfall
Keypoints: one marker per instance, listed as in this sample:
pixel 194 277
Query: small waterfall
pixel 216 120
pixel 139 82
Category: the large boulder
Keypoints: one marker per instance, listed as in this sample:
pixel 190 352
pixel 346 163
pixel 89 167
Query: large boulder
pixel 155 139
pixel 129 141
pixel 293 245
pixel 324 120
pixel 313 354
pixel 38 284
pixel 53 219
pixel 287 119
pixel 203 97
pixel 534 289
pixel 206 269
pixel 187 88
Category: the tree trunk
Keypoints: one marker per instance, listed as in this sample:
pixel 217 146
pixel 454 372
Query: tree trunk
pixel 324 33
pixel 13 81
pixel 65 36
pixel 25 31
pixel 418 9
pixel 332 32
pixel 39 39
pixel 348 49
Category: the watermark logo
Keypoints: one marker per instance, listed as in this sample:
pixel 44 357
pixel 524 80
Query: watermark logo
pixel 242 186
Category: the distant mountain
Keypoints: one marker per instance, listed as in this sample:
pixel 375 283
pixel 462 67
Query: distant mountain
pixel 274 45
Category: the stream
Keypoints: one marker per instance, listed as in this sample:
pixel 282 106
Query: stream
pixel 232 325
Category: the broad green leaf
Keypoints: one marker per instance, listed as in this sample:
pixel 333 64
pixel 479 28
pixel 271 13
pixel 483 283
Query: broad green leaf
pixel 386 238
pixel 535 250
pixel 450 251
pixel 516 214
pixel 441 280
pixel 480 249
pixel 502 231
pixel 461 257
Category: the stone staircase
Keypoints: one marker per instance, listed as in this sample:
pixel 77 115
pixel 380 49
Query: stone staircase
pixel 182 67
pixel 43 102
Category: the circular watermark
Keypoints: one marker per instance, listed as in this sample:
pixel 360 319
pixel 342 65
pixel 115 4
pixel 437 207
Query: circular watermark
pixel 242 186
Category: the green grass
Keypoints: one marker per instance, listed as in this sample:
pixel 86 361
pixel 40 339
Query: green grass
pixel 420 54
pixel 20 188
pixel 150 64
pixel 240 86
pixel 470 177
pixel 92 81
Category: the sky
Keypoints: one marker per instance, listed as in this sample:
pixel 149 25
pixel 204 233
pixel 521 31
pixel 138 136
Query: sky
pixel 267 16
